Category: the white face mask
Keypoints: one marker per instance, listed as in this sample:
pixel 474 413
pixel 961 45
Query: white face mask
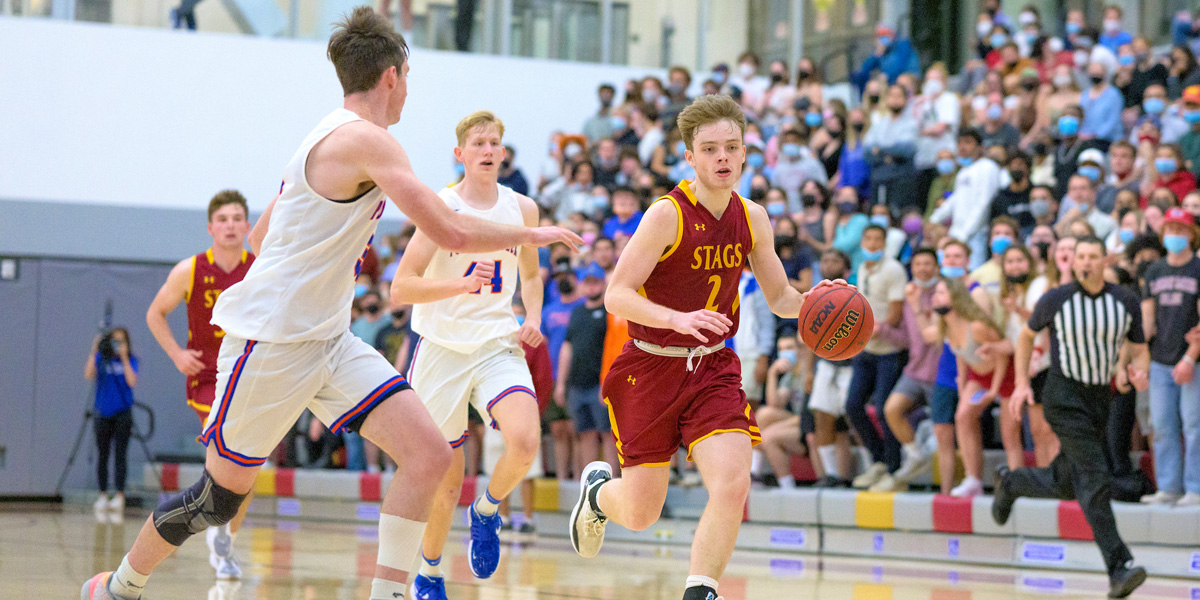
pixel 1062 80
pixel 1028 18
pixel 983 28
pixel 1056 45
pixel 746 70
pixel 933 87
pixel 1112 25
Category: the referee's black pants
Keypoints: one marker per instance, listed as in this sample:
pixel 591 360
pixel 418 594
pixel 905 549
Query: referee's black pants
pixel 1078 415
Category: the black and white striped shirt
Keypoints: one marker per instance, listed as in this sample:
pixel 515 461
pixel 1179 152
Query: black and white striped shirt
pixel 1087 331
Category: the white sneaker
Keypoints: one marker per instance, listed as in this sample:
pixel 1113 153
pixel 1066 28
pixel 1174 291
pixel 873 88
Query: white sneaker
pixel 911 468
pixel 117 502
pixel 101 503
pixel 691 479
pixel 1161 497
pixel 224 590
pixel 1189 499
pixel 228 569
pixel 587 527
pixel 888 484
pixel 871 476
pixel 969 488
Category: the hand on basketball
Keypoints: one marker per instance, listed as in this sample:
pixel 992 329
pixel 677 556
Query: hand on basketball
pixel 188 361
pixel 694 323
pixel 544 236
pixel 1139 379
pixel 479 276
pixel 824 284
pixel 530 333
pixel 1021 396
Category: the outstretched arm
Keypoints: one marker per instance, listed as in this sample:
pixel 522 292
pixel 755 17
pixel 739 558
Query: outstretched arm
pixel 172 292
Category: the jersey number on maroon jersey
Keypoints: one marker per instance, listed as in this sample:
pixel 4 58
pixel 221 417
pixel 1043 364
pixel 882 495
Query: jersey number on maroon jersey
pixel 497 280
pixel 715 282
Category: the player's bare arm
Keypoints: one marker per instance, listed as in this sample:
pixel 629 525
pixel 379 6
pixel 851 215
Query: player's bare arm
pixel 359 155
pixel 169 296
pixel 259 233
pixel 784 300
pixel 531 280
pixel 655 234
pixel 410 286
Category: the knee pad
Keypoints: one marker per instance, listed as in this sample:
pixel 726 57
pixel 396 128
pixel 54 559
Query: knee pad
pixel 199 507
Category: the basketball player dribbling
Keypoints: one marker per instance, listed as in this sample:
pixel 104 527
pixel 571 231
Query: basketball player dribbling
pixel 676 382
pixel 198 281
pixel 287 345
pixel 470 348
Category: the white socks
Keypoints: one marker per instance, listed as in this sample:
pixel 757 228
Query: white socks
pixel 127 583
pixel 828 456
pixel 431 568
pixel 912 451
pixel 787 482
pixel 382 589
pixel 399 544
pixel 486 505
pixel 699 580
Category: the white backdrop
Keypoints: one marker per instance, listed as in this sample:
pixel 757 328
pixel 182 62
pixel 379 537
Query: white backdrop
pixel 159 118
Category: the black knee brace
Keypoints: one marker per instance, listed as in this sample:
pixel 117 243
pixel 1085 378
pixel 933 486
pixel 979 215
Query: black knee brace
pixel 199 507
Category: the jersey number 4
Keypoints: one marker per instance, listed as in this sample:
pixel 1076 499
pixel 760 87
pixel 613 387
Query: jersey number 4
pixel 496 282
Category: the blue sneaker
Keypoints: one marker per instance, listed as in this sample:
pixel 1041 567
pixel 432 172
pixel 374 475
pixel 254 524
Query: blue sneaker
pixel 429 588
pixel 484 549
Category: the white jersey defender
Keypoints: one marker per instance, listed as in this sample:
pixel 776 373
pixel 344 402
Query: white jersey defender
pixel 468 350
pixel 287 338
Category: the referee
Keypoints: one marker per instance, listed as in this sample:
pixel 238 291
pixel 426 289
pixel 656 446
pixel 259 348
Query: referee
pixel 1094 326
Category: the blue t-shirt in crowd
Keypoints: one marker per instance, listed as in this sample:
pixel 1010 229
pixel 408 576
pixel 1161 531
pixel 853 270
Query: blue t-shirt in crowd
pixel 614 225
pixel 113 394
pixel 556 316
pixel 947 375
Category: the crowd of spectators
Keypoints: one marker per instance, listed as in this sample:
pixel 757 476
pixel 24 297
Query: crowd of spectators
pixel 952 202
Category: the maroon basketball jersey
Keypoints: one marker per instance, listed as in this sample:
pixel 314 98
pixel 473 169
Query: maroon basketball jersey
pixel 208 281
pixel 701 270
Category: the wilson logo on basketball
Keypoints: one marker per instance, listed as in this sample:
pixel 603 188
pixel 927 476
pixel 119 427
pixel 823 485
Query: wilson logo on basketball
pixel 819 320
pixel 843 330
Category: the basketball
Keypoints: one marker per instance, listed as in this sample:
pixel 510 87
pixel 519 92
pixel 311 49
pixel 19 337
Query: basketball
pixel 836 322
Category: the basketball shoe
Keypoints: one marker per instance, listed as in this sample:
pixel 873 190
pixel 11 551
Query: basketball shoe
pixel 425 587
pixel 587 522
pixel 484 549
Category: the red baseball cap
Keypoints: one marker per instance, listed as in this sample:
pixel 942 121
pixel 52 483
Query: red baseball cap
pixel 1180 216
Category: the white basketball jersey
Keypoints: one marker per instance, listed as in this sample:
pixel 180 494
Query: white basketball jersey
pixel 302 284
pixel 465 322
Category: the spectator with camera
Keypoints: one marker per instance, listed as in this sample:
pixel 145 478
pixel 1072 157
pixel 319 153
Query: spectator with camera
pixel 113 366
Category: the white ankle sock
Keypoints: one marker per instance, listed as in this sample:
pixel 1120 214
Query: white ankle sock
pixel 912 451
pixel 127 583
pixel 829 461
pixel 486 505
pixel 787 481
pixel 382 589
pixel 431 568
pixel 699 580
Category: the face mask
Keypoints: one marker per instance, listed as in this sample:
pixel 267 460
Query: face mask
pixel 1017 279
pixel 1191 116
pixel 885 41
pixel 776 77
pixel 1027 18
pixel 776 209
pixel 360 289
pixel 384 252
pixel 873 98
pixel 520 319
pixel 791 150
pixel 998 39
pixel 953 272
pixel 983 28
pixel 1111 25
pixel 1068 126
pixel 1165 166
pixel 718 77
pixel 1175 244
pixel 934 87
pixel 896 110
pixel 942 310
pixel 680 148
pixel 1097 79
pixel 599 203
pixel 1038 148
pixel 994 112
pixel 372 309
pixel 754 160
pixel 506 165
pixel 881 220
pixel 1001 243
pixel 941 255
pixel 572 151
pixel 946 166
pixel 746 70
pixel 1039 208
pixel 597 297
pixel 1056 45
pixel 847 207
pixel 1074 28
pixel 588 238
pixel 872 256
pixel 650 95
pixel 1141 268
pixel 565 287
pixel 757 194
pixel 1062 80
pixel 858 127
pixel 1091 172
pixel 1030 86
pixel 459 169
pixel 965 161
pixel 913 225
pixel 812 119
pixel 1125 61
pixel 618 123
pixel 1017 176
pixel 788 355
pixel 925 283
pixel 803 74
pixel 1126 235
pixel 675 89
pixel 808 200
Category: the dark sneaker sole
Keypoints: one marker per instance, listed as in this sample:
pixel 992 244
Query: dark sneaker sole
pixel 1135 580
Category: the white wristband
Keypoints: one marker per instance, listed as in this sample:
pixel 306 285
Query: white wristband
pixel 1189 359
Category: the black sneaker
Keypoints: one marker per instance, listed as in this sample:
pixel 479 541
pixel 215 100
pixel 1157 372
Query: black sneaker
pixel 1124 580
pixel 1002 501
pixel 700 592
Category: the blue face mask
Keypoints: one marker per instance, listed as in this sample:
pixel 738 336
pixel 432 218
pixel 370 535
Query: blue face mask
pixel 618 123
pixel 1125 61
pixel 1001 243
pixel 871 256
pixel 788 355
pixel 1092 173
pixel 1165 166
pixel 1074 28
pixel 1176 244
pixel 360 290
pixel 459 169
pixel 599 203
pixel 1126 235
pixel 790 150
pixel 520 319
pixel 941 254
pixel 718 77
pixel 965 161
pixel 885 40
pixel 953 272
pixel 776 209
pixel 945 166
pixel 1068 126
pixel 881 220
pixel 755 160
pixel 998 39
pixel 680 148
pixel 995 111
pixel 1191 116
pixel 1154 106
pixel 813 119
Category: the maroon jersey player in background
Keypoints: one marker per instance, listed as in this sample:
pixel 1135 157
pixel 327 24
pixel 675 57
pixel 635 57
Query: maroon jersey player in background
pixel 676 383
pixel 198 281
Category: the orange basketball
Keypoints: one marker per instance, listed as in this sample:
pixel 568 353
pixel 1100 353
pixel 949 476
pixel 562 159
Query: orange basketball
pixel 836 322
